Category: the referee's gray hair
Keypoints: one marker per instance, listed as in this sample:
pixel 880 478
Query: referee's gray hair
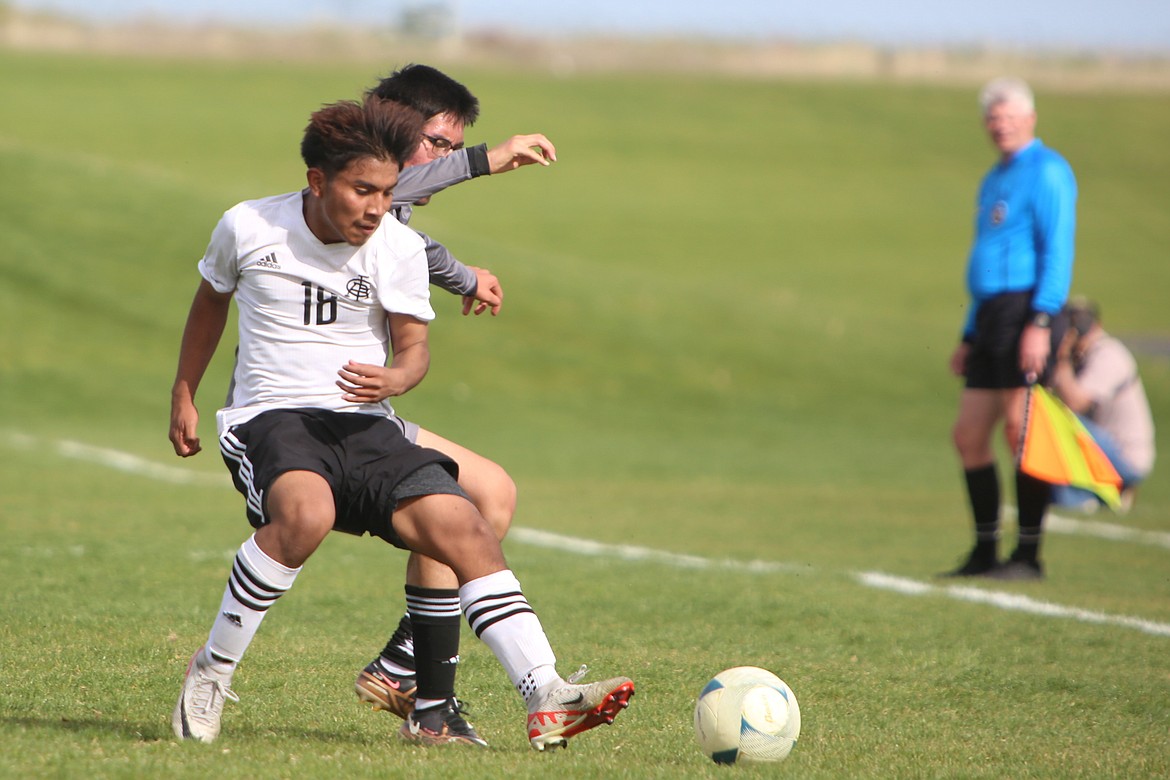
pixel 1006 90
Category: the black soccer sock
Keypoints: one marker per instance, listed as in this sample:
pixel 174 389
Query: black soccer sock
pixel 436 619
pixel 1032 498
pixel 399 650
pixel 983 492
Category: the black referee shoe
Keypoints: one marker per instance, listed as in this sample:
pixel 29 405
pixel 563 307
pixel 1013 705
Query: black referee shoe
pixel 1017 571
pixel 976 565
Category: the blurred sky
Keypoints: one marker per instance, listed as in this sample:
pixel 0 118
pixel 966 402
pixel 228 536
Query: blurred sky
pixel 1137 26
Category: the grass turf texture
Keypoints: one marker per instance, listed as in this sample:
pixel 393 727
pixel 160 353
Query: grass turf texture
pixel 728 316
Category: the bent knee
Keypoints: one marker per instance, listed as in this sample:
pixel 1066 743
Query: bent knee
pixel 963 438
pixel 301 502
pixel 492 491
pixel 499 507
pixel 973 447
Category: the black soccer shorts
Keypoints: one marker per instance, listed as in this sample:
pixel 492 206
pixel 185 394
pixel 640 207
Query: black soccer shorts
pixel 993 362
pixel 367 461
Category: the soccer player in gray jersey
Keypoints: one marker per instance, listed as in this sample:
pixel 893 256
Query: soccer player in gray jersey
pixel 416 660
pixel 441 162
pixel 325 288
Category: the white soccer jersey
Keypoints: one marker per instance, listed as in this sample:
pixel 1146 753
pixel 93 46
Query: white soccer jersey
pixel 307 308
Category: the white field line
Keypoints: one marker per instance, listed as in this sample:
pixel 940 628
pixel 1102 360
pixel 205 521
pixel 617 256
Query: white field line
pixel 999 599
pixel 133 464
pixel 117 460
pixel 627 552
pixel 1010 601
pixel 1111 531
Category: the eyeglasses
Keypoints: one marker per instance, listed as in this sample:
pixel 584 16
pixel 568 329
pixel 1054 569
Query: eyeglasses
pixel 441 146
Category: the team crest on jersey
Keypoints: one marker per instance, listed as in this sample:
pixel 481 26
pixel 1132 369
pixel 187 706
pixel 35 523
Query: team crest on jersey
pixel 359 288
pixel 999 213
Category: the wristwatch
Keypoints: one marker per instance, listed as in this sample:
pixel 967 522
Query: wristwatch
pixel 1041 319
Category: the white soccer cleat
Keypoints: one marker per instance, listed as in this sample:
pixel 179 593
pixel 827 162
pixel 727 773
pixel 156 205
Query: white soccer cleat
pixel 566 709
pixel 200 706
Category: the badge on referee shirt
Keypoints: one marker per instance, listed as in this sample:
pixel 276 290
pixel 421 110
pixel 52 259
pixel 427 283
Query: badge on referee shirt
pixel 999 213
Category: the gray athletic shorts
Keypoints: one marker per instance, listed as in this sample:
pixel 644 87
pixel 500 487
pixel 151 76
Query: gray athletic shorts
pixel 367 460
pixel 409 429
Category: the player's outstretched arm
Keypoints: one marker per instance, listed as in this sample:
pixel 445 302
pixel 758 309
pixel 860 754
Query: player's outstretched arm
pixel 205 324
pixel 520 150
pixel 423 181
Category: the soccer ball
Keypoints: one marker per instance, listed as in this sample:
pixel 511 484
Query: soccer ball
pixel 746 714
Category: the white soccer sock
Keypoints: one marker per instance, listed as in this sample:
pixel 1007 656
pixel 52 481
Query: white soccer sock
pixel 500 615
pixel 256 582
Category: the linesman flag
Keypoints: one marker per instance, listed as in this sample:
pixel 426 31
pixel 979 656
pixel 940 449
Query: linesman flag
pixel 1058 449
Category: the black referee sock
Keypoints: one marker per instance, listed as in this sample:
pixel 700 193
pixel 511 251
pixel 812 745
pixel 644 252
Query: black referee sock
pixel 1032 499
pixel 983 492
pixel 436 619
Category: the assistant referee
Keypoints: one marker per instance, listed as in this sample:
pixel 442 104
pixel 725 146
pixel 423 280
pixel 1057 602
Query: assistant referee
pixel 1018 275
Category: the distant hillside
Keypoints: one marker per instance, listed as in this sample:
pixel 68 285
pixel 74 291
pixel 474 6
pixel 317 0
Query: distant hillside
pixel 773 59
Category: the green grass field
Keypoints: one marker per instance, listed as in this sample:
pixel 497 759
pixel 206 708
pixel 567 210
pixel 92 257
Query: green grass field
pixel 729 310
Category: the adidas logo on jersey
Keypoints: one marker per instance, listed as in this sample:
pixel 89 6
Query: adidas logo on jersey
pixel 268 261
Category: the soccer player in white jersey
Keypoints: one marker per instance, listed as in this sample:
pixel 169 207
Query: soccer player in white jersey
pixel 326 289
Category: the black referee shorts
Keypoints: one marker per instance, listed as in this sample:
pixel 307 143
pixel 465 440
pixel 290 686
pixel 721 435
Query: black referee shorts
pixel 367 461
pixel 993 363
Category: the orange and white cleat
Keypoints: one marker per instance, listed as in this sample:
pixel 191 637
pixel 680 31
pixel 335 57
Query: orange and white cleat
pixel 566 709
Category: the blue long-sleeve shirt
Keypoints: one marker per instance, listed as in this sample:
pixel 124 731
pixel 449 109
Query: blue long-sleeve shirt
pixel 1024 231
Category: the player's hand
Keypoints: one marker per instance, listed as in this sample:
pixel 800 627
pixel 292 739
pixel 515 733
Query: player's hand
pixel 1035 344
pixel 521 150
pixel 488 293
pixel 365 383
pixel 184 425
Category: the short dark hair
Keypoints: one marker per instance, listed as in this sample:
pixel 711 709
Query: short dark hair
pixel 342 132
pixel 1082 314
pixel 430 92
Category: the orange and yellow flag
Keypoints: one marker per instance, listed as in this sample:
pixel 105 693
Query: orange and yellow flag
pixel 1057 448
